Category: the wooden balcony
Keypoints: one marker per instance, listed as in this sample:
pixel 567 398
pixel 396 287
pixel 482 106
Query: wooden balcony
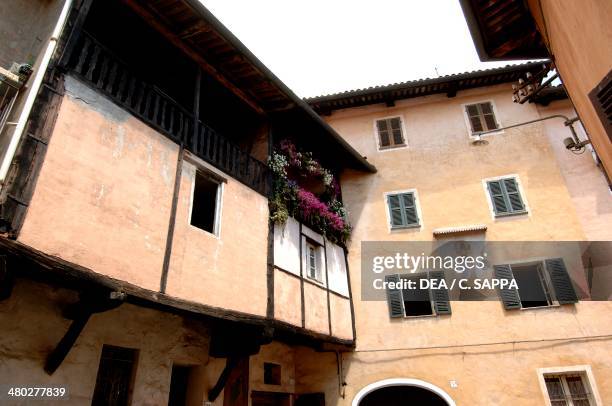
pixel 98 66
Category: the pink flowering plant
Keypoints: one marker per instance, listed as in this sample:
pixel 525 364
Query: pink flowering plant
pixel 293 171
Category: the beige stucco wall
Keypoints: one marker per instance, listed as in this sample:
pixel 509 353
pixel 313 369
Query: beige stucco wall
pixel 228 270
pixel 474 345
pixel 579 35
pixel 33 325
pixel 585 180
pixel 104 192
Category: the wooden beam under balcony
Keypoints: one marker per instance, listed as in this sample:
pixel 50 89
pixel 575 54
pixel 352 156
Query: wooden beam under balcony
pixel 176 40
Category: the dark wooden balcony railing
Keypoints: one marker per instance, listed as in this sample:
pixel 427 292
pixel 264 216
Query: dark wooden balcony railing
pixel 98 66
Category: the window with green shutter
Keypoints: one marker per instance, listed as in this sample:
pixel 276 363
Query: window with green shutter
pixel 390 133
pixel 505 197
pixel 481 117
pixel 403 210
pixel 417 301
pixel 540 284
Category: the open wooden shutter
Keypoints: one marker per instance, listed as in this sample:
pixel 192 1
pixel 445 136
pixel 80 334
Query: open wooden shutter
pixel 509 296
pixel 561 281
pixel 394 298
pixel 440 297
pixel 601 97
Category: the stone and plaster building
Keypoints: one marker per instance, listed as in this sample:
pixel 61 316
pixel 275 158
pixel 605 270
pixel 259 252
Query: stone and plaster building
pixel 140 265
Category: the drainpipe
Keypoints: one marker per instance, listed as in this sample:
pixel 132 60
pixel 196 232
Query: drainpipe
pixel 36 83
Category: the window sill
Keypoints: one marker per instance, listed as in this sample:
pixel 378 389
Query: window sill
pixel 475 137
pixel 314 281
pixel 513 214
pixel 393 148
pixel 410 227
pixel 206 233
pixel 424 316
pixel 552 306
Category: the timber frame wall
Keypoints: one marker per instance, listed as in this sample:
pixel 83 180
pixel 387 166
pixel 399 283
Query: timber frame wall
pixel 81 55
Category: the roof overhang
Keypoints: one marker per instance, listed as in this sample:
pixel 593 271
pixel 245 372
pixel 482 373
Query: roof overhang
pixel 448 85
pixel 503 30
pixel 194 29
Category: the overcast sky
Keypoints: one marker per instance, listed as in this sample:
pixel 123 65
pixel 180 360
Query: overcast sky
pixel 326 46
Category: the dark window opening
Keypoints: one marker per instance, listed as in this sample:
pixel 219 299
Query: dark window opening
pixel 204 207
pixel 179 383
pixel 532 285
pixel 417 301
pixel 272 373
pixel 115 376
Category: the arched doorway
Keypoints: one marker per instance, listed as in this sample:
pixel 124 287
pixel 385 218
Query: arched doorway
pixel 402 392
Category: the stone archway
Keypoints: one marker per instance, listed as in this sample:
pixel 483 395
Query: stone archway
pixel 402 392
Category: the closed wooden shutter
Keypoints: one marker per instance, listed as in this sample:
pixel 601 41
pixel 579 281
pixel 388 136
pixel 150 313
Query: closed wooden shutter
pixel 384 138
pixel 509 296
pixel 390 132
pixel 513 195
pixel 561 281
pixel 481 116
pixel 601 97
pixel 474 117
pixel 403 210
pixel 394 298
pixel 505 196
pixel 440 297
pixel 395 211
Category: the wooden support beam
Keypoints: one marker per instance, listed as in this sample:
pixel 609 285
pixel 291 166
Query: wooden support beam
pixel 214 392
pixel 6 279
pixel 175 39
pixel 80 313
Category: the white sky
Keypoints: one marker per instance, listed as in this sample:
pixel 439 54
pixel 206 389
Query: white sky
pixel 326 46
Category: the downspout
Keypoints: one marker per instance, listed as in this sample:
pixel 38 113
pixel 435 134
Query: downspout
pixel 36 83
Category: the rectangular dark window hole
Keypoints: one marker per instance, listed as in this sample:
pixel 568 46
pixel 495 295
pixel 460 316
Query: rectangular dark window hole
pixel 532 286
pixel 272 373
pixel 115 376
pixel 204 207
pixel 417 302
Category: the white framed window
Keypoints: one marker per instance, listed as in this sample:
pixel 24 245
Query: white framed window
pixel 403 211
pixel 481 116
pixel 505 196
pixel 390 133
pixel 417 300
pixel 206 200
pixel 538 283
pixel 569 386
pixel 313 260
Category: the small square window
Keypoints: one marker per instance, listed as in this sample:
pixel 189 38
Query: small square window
pixel 570 389
pixel 390 133
pixel 481 117
pixel 272 374
pixel 205 201
pixel 403 210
